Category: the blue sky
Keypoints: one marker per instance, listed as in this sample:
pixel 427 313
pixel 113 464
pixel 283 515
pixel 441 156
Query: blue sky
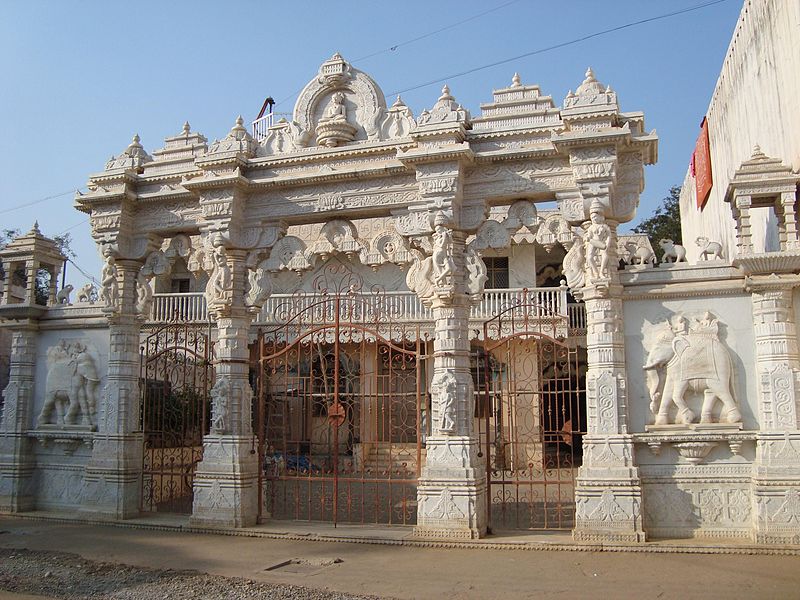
pixel 80 78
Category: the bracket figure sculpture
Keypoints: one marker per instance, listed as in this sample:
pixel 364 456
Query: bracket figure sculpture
pixel 443 265
pixel 598 238
pixel 686 355
pixel 109 287
pixel 71 386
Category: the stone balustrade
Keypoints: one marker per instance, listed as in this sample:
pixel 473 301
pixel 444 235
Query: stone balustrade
pixel 397 306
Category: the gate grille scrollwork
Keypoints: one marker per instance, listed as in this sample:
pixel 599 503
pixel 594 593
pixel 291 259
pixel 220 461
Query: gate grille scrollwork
pixel 532 419
pixel 176 377
pixel 340 406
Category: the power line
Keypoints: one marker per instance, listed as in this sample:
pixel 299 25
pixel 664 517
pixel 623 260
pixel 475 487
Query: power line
pixel 560 45
pixel 427 35
pixel 416 39
pixel 84 273
pixel 19 206
pixel 86 220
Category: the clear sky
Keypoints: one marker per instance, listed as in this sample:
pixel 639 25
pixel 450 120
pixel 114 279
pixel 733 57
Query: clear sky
pixel 80 78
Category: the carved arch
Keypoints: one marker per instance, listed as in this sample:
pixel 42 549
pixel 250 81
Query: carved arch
pixel 337 75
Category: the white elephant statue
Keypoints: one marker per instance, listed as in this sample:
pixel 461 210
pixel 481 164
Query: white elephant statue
pixel 683 356
pixel 71 385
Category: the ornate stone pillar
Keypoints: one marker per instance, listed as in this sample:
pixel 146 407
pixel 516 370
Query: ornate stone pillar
pixel 451 493
pixel 16 453
pixel 226 480
pixel 608 490
pixel 776 470
pixel 113 473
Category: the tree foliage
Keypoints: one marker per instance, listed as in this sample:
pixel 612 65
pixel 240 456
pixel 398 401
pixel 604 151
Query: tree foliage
pixel 665 222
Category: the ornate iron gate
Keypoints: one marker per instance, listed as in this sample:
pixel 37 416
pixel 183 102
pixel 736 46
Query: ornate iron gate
pixel 340 388
pixel 176 378
pixel 532 410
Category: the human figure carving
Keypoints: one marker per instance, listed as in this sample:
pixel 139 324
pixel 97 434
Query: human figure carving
pixel 336 110
pixel 598 236
pixel 220 398
pixel 443 264
pixel 220 280
pixel 109 288
pixel 448 388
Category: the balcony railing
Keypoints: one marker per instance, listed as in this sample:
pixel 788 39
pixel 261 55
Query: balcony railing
pixel 401 306
pixel 261 126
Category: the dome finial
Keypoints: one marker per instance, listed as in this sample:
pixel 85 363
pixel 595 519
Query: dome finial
pixel 186 128
pixel 516 81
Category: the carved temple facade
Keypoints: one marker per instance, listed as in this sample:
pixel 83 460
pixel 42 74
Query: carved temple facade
pixel 430 321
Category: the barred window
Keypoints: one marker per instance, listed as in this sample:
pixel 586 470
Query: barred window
pixel 496 272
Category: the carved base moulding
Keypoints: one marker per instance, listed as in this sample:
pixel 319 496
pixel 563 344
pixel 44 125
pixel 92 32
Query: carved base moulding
pixel 68 437
pixel 695 441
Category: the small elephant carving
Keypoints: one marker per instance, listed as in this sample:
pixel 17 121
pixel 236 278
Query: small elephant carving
pixel 673 252
pixel 63 294
pixel 709 250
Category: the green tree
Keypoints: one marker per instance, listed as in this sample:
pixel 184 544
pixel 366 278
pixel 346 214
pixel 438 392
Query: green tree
pixel 665 222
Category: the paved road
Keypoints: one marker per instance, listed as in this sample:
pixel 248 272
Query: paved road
pixel 412 572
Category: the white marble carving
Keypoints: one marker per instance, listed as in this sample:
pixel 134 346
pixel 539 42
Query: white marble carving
pixel 87 294
pixel 686 354
pixel 220 405
pixel 109 286
pixel 598 238
pixel 443 265
pixel 259 286
pixel 672 252
pixel 63 294
pixel 71 386
pixel 709 250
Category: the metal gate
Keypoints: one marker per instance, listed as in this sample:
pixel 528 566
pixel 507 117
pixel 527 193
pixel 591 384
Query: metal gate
pixel 175 380
pixel 532 415
pixel 340 389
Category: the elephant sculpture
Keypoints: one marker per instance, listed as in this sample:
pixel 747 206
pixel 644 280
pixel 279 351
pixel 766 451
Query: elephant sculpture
pixel 71 385
pixel 684 356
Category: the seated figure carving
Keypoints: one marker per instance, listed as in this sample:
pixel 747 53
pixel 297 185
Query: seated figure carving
pixel 333 128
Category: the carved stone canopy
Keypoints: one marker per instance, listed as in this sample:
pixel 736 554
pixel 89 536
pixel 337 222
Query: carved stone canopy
pixel 362 102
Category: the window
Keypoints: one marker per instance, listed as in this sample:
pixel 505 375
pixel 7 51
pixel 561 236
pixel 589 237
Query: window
pixel 180 286
pixel 496 272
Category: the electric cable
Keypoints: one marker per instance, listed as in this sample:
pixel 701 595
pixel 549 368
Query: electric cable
pixel 19 206
pixel 560 45
pixel 394 47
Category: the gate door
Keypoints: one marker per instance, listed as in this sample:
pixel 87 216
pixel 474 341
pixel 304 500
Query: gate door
pixel 175 381
pixel 339 408
pixel 532 414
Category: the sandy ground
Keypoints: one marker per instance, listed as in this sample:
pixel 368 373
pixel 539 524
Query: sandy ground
pixel 413 572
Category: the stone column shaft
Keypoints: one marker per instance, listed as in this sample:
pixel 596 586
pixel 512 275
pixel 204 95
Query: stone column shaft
pixel 776 470
pixel 608 490
pixel 16 452
pixel 452 488
pixel 226 480
pixel 113 474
